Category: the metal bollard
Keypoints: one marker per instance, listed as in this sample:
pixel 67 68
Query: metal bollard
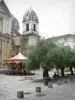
pixel 71 78
pixel 46 81
pixel 50 85
pixel 20 94
pixel 58 82
pixel 38 89
pixel 65 81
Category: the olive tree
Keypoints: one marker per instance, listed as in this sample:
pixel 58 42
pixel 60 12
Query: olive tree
pixel 39 57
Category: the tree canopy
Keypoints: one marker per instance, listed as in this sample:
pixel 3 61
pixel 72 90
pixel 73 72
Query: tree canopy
pixel 49 55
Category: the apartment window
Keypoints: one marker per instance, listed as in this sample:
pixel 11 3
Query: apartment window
pixel 34 27
pixel 27 27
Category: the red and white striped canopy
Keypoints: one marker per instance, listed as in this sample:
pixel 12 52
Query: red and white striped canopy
pixel 19 56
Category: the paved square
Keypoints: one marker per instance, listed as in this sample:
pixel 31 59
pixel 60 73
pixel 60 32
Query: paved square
pixel 9 85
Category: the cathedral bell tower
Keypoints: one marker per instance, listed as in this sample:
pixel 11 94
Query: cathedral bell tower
pixel 30 27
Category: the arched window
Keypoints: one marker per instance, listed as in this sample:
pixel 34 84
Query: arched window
pixel 34 27
pixel 27 27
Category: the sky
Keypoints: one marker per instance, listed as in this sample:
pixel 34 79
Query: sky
pixel 56 17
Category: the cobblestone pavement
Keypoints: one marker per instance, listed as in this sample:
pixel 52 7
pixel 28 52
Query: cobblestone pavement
pixel 9 85
pixel 66 91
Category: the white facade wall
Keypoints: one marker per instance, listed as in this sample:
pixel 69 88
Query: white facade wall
pixel 31 27
pixel 6 22
pixel 24 26
pixel 32 40
pixel 6 25
pixel 3 31
pixel 33 22
pixel 1 25
pixel 9 26
pixel 69 41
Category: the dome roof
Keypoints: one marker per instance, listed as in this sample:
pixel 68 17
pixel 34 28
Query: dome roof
pixel 15 22
pixel 30 15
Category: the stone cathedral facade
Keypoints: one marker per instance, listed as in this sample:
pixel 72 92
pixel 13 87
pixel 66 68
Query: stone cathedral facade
pixel 11 40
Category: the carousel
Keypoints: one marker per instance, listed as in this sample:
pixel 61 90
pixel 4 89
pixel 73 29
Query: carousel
pixel 18 65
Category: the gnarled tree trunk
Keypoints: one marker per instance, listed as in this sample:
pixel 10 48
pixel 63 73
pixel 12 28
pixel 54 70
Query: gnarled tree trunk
pixel 45 73
pixel 71 71
pixel 62 71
